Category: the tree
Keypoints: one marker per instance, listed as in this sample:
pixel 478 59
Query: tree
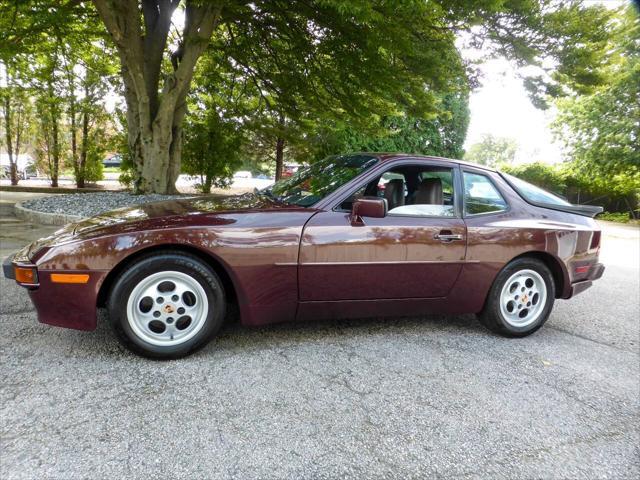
pixel 87 71
pixel 313 64
pixel 154 112
pixel 600 128
pixel 492 151
pixel 443 135
pixel 310 60
pixel 49 102
pixel 213 141
pixel 408 44
pixel 16 110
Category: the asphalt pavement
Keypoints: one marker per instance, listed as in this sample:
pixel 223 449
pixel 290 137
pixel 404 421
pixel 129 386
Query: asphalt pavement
pixel 424 397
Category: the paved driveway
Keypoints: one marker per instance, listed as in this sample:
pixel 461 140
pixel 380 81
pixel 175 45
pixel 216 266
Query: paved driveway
pixel 417 397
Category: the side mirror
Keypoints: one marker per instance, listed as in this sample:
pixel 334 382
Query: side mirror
pixel 372 207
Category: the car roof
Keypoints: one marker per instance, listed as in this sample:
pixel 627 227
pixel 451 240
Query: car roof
pixel 388 156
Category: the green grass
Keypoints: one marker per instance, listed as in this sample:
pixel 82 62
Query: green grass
pixel 614 217
pixel 111 170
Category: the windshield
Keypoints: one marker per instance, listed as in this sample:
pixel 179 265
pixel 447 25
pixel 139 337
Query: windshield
pixel 311 184
pixel 534 194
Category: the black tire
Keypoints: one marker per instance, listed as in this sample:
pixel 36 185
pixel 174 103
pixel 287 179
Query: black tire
pixel 492 317
pixel 152 264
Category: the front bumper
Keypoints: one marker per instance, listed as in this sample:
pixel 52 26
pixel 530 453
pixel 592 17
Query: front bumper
pixel 578 287
pixel 7 268
pixel 60 304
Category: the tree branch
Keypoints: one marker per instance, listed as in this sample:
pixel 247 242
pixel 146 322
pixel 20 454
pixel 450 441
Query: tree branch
pixel 200 21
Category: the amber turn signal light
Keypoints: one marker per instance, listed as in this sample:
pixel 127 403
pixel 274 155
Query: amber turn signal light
pixel 26 275
pixel 69 277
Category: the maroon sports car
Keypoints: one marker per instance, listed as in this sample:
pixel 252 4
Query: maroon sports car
pixel 350 236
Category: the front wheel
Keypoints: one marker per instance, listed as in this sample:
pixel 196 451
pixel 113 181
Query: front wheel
pixel 166 305
pixel 520 300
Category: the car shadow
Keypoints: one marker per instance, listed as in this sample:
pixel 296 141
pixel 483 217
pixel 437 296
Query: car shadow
pixel 234 338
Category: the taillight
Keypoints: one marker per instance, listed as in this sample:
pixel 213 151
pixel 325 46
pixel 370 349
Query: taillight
pixel 595 240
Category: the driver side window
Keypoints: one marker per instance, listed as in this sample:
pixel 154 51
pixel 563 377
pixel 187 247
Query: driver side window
pixel 412 190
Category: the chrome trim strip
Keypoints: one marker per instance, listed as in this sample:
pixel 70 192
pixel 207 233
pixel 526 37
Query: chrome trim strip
pixel 390 262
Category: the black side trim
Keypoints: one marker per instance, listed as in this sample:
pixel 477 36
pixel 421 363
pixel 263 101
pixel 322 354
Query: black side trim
pixel 584 210
pixel 7 268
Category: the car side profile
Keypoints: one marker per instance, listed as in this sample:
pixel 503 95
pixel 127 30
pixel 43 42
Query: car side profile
pixel 350 236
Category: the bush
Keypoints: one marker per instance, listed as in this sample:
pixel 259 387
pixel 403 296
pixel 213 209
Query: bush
pixel 614 217
pixel 93 170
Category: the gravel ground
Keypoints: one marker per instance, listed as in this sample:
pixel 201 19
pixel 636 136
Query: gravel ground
pixel 89 204
pixel 423 397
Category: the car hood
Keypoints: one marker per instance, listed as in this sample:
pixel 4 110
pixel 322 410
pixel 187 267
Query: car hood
pixel 182 212
pixel 184 209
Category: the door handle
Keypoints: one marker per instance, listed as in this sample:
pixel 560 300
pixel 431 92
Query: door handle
pixel 447 237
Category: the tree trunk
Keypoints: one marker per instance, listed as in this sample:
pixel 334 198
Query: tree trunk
pixel 74 136
pixel 154 121
pixel 279 157
pixel 12 160
pixel 82 162
pixel 206 184
pixel 55 136
pixel 56 153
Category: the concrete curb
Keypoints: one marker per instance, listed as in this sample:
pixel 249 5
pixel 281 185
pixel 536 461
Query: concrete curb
pixel 53 190
pixel 44 218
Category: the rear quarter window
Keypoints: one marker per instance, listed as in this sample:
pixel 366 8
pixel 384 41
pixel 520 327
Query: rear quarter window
pixel 533 194
pixel 481 195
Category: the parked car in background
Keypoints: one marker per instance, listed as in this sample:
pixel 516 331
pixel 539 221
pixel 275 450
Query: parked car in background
pixel 442 236
pixel 242 174
pixel 25 165
pixel 289 169
pixel 114 161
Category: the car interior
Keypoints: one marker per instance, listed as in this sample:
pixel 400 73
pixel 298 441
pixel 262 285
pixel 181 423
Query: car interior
pixel 411 190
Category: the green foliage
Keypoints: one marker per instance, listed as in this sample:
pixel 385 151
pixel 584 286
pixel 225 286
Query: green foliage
pixel 562 39
pixel 443 135
pixel 16 117
pixel 550 177
pixel 600 129
pixel 93 167
pixel 60 64
pixel 212 148
pixel 567 180
pixel 492 151
pixel 329 76
pixel 614 217
pixel 303 79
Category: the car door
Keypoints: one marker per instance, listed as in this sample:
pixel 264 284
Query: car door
pixel 413 252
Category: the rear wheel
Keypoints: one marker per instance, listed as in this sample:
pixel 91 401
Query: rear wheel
pixel 520 300
pixel 166 305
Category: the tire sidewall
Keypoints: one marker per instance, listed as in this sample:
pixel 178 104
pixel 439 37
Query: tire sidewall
pixel 503 276
pixel 202 273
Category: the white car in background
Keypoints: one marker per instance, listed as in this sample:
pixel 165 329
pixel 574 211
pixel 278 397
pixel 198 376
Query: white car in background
pixel 25 164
